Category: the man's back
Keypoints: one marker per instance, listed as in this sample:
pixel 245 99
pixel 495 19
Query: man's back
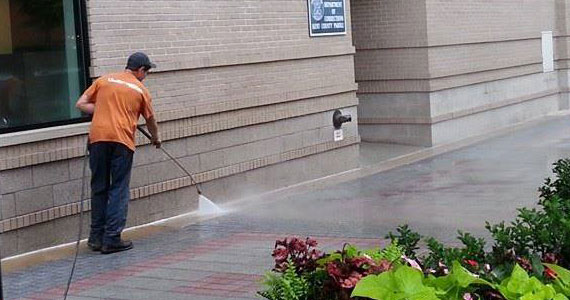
pixel 120 99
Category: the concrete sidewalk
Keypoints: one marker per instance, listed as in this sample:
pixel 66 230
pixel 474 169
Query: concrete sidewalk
pixel 436 191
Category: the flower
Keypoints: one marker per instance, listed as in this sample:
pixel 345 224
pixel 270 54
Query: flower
pixel 472 263
pixel 467 296
pixel 549 273
pixel 443 268
pixel 414 264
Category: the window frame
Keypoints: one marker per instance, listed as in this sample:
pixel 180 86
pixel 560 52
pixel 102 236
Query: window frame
pixel 84 62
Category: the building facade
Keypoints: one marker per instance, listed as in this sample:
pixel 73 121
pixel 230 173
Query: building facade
pixel 244 97
pixel 434 71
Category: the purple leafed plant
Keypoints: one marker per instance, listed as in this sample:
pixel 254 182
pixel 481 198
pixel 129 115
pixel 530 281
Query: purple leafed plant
pixel 303 254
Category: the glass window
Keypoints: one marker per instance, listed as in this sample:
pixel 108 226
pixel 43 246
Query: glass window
pixel 41 67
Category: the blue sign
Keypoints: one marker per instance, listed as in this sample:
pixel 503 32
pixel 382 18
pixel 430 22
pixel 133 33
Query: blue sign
pixel 327 17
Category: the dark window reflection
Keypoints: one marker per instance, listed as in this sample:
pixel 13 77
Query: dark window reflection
pixel 39 70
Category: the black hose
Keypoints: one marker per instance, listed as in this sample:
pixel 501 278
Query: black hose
pixel 85 157
pixel 1 286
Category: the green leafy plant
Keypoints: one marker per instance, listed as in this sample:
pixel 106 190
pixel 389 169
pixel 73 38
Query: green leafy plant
pixel 543 232
pixel 527 234
pixel 471 255
pixel 561 185
pixel 285 286
pixel 402 283
pixel 526 262
pixel 406 239
pixel 392 253
pixel 474 247
pixel 348 266
pixel 560 277
pixel 455 285
pixel 407 283
pixel 345 268
pixel 520 286
pixel 439 255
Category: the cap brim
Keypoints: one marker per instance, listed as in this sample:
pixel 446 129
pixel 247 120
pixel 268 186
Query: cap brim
pixel 152 65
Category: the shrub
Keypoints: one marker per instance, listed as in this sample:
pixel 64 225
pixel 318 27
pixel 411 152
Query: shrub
pixel 472 255
pixel 541 232
pixel 288 285
pixel 303 254
pixel 406 239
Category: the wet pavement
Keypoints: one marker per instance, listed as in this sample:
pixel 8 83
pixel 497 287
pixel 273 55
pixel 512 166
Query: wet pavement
pixel 225 257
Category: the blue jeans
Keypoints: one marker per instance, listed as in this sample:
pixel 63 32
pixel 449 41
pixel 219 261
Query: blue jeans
pixel 111 165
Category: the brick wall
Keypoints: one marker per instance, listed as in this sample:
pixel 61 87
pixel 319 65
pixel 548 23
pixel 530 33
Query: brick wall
pixel 475 51
pixel 183 34
pixel 244 99
pixel 380 24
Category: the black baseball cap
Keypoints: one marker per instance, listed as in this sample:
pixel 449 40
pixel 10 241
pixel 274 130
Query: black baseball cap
pixel 139 59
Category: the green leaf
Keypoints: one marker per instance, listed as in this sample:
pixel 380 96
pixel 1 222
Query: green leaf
pixel 330 258
pixel 562 281
pixel 463 277
pixel 423 295
pixel 402 283
pixel 392 253
pixel 351 251
pixel 454 285
pixel 522 287
pixel 537 267
pixel 376 287
pixel 517 283
pixel 502 272
pixel 560 297
pixel 409 280
pixel 285 286
pixel 562 273
pixel 443 284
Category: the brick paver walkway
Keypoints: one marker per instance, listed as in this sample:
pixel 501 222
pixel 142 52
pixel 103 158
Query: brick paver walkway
pixel 225 257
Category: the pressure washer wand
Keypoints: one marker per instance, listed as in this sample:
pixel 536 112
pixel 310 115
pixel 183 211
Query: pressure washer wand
pixel 147 134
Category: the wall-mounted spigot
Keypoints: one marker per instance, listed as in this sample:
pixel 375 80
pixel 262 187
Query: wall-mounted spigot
pixel 339 118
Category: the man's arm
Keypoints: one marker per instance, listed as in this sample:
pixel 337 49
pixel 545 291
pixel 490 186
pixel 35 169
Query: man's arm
pixel 153 128
pixel 84 105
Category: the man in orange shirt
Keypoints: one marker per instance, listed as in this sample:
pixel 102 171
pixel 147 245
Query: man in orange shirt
pixel 116 102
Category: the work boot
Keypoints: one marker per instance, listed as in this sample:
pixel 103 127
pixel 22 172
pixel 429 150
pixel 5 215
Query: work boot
pixel 122 245
pixel 94 245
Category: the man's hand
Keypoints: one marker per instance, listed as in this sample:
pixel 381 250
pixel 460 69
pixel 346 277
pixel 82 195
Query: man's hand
pixel 84 105
pixel 156 142
pixel 153 128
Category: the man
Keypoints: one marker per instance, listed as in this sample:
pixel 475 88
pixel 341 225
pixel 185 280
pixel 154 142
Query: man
pixel 116 101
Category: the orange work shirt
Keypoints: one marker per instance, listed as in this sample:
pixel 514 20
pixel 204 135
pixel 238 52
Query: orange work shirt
pixel 120 99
